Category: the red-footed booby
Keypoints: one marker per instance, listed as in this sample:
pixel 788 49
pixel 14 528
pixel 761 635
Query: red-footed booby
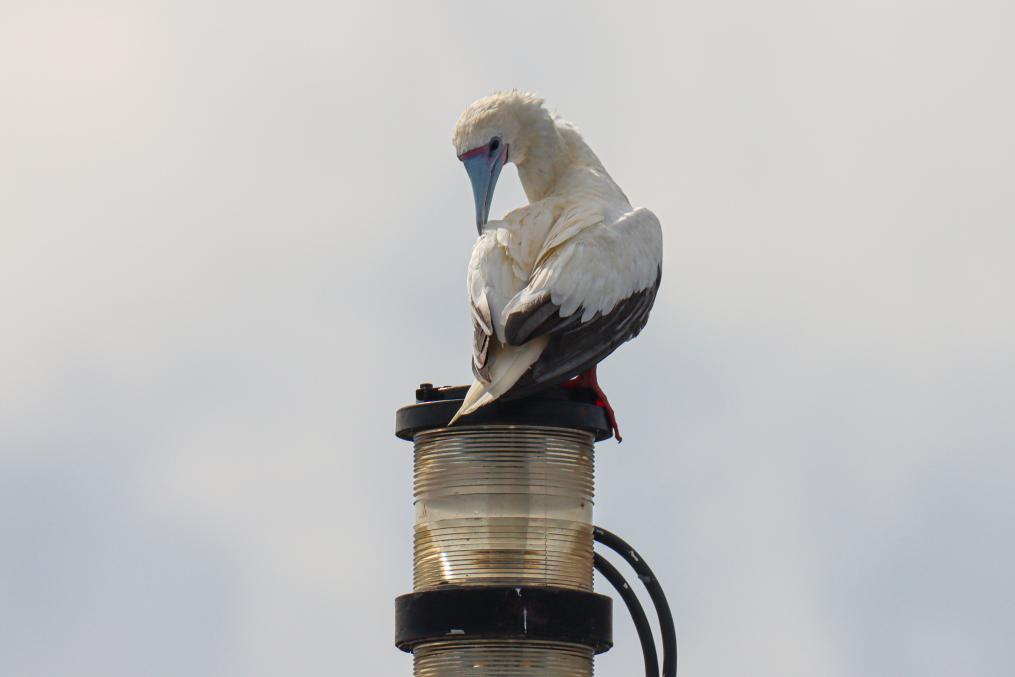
pixel 557 285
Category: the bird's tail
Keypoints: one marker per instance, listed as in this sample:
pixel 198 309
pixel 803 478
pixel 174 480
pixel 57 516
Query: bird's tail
pixel 507 365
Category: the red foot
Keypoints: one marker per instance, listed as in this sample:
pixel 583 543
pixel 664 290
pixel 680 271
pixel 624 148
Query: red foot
pixel 589 380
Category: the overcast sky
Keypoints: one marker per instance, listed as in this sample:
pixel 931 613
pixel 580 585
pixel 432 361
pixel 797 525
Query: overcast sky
pixel 233 239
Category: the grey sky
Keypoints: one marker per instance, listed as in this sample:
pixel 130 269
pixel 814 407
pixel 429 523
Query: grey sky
pixel 233 238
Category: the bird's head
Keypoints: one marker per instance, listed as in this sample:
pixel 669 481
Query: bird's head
pixel 490 133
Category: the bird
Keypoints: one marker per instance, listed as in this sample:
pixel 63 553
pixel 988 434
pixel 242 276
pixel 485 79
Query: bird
pixel 557 285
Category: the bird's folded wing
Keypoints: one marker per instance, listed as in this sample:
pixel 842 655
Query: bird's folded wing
pixel 589 294
pixel 491 283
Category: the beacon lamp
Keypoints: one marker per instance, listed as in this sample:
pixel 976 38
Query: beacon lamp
pixel 503 542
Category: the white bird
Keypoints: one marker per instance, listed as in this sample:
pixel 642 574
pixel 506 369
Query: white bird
pixel 557 285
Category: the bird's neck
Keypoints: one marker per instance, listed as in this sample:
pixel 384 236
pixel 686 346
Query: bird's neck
pixel 552 149
pixel 539 174
pixel 544 153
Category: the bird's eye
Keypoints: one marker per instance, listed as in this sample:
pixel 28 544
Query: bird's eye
pixel 494 144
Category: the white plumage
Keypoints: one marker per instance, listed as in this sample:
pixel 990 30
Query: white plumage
pixel 597 266
pixel 558 284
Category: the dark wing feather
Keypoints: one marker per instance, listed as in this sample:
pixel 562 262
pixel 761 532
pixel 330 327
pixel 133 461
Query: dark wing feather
pixel 537 317
pixel 482 333
pixel 574 346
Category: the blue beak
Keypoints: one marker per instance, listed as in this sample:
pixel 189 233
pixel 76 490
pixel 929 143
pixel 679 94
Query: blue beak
pixel 483 170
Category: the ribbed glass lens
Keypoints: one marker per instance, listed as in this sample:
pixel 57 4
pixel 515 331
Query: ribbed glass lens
pixel 503 505
pixel 502 658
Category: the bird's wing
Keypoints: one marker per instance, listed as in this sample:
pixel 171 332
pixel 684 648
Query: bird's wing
pixel 494 277
pixel 492 280
pixel 587 295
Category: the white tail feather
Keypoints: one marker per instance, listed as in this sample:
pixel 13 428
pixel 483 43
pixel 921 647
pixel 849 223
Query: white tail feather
pixel 507 365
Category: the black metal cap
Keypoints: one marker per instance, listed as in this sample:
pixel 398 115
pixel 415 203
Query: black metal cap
pixel 557 407
pixel 459 612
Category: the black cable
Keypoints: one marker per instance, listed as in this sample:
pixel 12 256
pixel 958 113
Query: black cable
pixel 669 632
pixel 648 645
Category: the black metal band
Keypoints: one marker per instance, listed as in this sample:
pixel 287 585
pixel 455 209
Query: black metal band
pixel 458 612
pixel 557 407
